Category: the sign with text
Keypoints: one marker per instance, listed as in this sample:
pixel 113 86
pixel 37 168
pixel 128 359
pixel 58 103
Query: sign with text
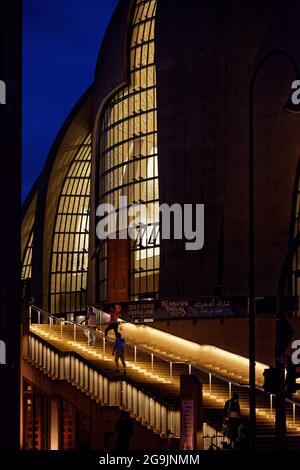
pixel 204 307
pixel 165 309
pixel 188 424
pixel 191 412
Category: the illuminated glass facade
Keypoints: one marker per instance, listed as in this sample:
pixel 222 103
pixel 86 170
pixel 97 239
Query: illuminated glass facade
pixel 120 110
pixel 69 259
pixel 27 258
pixel 27 240
pixel 128 156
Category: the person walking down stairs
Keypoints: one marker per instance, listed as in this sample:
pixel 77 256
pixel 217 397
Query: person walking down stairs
pixel 232 417
pixel 113 323
pixel 119 352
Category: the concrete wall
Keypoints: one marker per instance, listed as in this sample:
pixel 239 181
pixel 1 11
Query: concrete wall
pixel 230 334
pixel 206 54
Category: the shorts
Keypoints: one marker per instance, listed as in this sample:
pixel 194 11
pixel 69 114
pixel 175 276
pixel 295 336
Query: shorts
pixel 120 355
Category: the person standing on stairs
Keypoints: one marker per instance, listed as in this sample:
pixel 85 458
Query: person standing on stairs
pixel 232 417
pixel 119 352
pixel 124 432
pixel 113 323
pixel 90 321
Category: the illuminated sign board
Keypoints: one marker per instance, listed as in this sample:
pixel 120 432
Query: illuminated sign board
pixel 204 307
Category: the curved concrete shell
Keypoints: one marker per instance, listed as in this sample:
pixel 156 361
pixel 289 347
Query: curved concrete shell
pixel 204 56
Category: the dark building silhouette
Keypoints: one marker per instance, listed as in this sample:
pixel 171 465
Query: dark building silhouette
pixel 10 208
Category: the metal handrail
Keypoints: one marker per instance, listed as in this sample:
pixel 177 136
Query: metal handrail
pixel 217 376
pixel 143 349
pixel 103 336
pixel 71 370
pixel 189 364
pixel 219 433
pixel 292 402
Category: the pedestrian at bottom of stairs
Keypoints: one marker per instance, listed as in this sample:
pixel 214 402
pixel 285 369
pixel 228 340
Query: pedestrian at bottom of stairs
pixel 232 417
pixel 243 434
pixel 124 432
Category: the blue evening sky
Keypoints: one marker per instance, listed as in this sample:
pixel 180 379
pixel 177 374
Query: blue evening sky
pixel 61 44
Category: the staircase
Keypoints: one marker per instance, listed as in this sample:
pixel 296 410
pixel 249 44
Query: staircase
pixel 222 364
pixel 155 361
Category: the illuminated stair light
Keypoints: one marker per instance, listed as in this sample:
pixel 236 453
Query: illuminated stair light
pixel 215 398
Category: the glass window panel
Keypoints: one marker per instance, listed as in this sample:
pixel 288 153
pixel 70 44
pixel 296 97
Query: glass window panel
pixel 27 256
pixel 71 235
pixel 134 144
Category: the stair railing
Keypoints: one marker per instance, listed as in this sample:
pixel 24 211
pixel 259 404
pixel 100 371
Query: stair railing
pixel 151 361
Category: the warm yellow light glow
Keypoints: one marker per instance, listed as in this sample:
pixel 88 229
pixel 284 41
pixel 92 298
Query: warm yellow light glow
pixel 218 360
pixel 54 425
pixel 69 258
pixel 179 345
pixel 215 359
pixel 79 346
pixel 129 155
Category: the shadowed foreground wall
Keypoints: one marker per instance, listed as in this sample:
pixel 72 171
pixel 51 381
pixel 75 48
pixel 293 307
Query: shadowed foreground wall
pixel 10 209
pixel 102 418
